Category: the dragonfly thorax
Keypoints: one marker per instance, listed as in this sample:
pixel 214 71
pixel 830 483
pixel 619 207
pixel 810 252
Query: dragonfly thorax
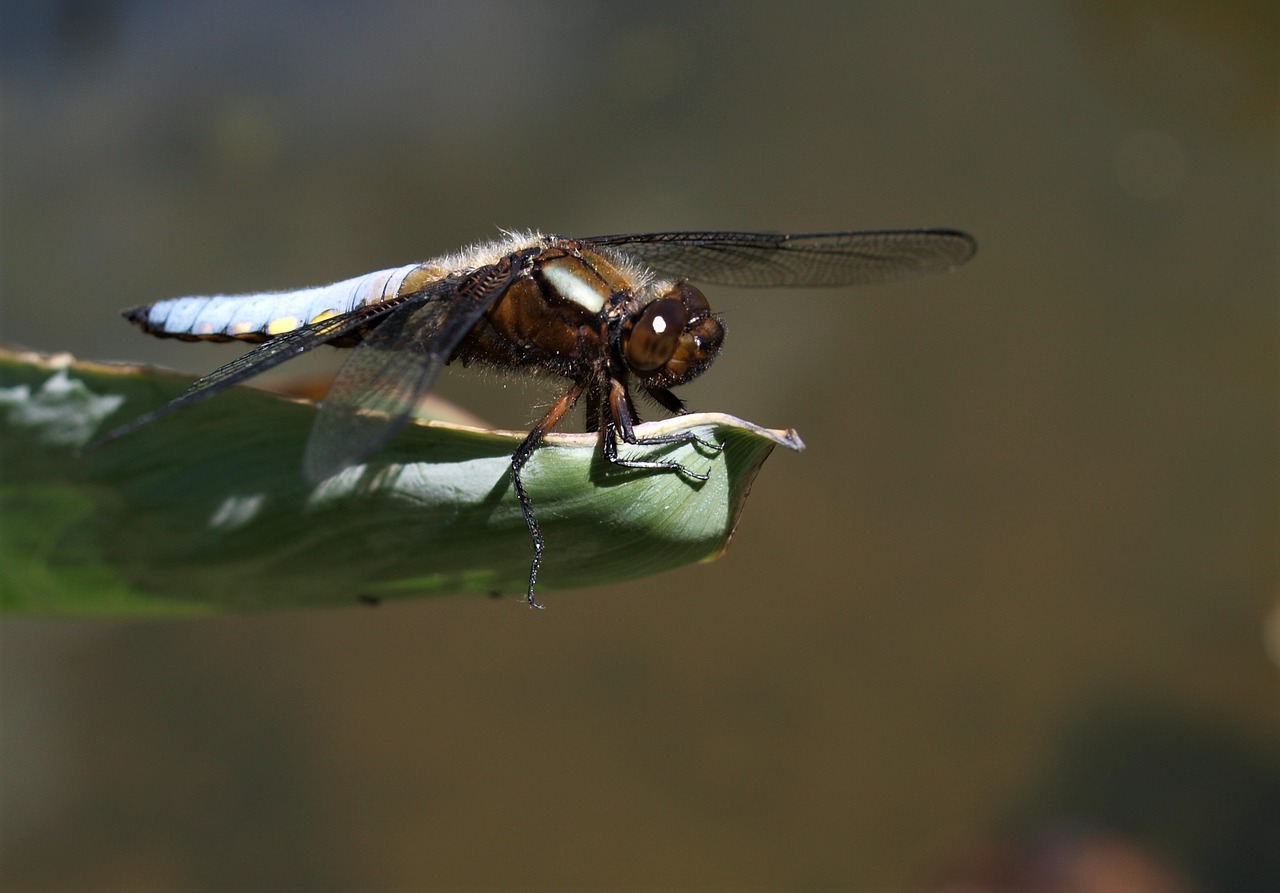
pixel 555 316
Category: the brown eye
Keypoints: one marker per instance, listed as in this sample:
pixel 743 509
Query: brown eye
pixel 694 301
pixel 653 338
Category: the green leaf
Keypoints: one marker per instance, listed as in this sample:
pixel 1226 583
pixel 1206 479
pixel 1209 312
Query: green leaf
pixel 207 509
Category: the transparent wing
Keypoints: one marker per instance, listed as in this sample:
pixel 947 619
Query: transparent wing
pixel 393 368
pixel 780 259
pixel 260 359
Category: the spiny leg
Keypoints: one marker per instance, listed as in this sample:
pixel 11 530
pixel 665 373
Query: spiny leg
pixel 593 396
pixel 675 406
pixel 667 400
pixel 522 454
pixel 623 423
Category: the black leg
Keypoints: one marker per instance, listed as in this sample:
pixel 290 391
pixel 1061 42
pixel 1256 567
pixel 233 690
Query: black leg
pixel 675 406
pixel 611 454
pixel 593 410
pixel 522 455
pixel 667 400
pixel 622 424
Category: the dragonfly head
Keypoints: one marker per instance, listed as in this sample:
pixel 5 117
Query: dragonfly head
pixel 672 339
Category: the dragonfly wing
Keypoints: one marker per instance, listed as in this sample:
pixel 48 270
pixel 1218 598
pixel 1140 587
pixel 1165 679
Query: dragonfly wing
pixel 393 368
pixel 780 259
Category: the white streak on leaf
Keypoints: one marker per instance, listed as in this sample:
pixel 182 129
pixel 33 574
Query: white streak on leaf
pixel 236 511
pixel 63 411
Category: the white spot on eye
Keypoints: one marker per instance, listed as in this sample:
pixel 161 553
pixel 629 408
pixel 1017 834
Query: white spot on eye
pixel 659 324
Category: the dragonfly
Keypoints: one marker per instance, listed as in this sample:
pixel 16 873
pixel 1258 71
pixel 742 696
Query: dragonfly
pixel 613 315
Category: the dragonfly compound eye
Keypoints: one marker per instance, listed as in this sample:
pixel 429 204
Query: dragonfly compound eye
pixel 651 340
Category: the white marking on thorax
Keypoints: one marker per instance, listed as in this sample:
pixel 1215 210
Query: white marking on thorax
pixel 575 288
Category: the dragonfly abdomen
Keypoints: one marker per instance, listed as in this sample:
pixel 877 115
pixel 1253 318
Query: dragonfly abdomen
pixel 260 317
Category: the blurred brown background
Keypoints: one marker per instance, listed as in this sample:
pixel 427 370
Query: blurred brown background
pixel 1004 620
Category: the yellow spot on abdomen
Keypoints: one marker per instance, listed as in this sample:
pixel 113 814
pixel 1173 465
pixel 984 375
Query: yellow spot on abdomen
pixel 416 280
pixel 323 315
pixel 239 328
pixel 281 325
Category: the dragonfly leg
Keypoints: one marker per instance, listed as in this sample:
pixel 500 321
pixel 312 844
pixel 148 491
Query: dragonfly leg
pixel 675 406
pixel 521 456
pixel 593 410
pixel 623 424
pixel 667 400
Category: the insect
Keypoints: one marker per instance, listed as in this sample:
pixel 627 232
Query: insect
pixel 611 314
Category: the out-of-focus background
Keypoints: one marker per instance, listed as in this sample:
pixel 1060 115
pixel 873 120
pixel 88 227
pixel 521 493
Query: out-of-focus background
pixel 1005 621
